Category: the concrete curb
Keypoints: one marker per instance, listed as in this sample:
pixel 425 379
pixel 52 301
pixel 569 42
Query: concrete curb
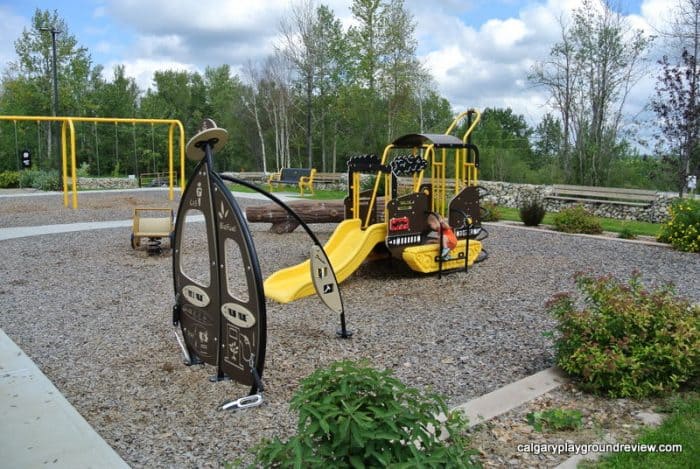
pixel 598 237
pixel 38 426
pixel 511 396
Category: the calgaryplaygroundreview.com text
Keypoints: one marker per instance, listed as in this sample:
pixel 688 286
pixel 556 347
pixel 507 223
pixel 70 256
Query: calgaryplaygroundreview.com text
pixel 572 448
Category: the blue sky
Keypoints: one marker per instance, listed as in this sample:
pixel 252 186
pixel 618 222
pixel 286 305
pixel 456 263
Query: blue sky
pixel 479 51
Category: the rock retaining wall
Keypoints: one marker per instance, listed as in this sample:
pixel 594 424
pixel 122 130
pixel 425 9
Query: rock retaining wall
pixel 505 194
pixel 107 183
pixel 509 194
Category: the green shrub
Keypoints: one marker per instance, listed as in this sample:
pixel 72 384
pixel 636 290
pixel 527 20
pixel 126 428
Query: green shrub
pixel 490 212
pixel 351 415
pixel 626 233
pixel 576 219
pixel 683 228
pixel 555 419
pixel 46 181
pixel 26 178
pixel 9 179
pixel 83 170
pixel 626 341
pixel 532 212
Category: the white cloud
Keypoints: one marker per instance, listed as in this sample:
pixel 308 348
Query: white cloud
pixel 11 26
pixel 484 64
pixel 142 70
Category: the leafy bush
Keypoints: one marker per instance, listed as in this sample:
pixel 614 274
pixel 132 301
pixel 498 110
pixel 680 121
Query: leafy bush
pixel 532 212
pixel 576 219
pixel 351 415
pixel 490 212
pixel 627 341
pixel 83 170
pixel 9 179
pixel 42 180
pixel 683 229
pixel 26 178
pixel 626 233
pixel 46 181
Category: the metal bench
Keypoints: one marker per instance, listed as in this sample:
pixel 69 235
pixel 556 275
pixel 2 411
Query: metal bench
pixel 607 195
pixel 302 177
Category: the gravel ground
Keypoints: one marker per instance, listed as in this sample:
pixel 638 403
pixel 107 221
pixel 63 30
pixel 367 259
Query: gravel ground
pixel 96 318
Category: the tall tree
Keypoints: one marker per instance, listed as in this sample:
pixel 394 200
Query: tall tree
pixel 589 75
pixel 332 61
pixel 300 47
pixel 678 108
pixel 677 101
pixel 33 69
pixel 401 71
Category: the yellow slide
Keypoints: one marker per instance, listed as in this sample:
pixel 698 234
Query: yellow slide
pixel 347 248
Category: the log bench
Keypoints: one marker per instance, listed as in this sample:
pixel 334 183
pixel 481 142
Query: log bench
pixel 331 211
pixel 302 177
pixel 606 195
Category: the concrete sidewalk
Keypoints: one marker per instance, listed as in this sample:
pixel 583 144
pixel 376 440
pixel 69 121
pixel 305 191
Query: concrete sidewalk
pixel 24 231
pixel 38 426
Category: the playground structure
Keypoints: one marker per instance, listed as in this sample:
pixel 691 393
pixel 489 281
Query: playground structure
pixel 444 174
pixel 68 147
pixel 220 302
pixel 146 225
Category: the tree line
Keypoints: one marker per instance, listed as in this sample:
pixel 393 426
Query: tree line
pixel 328 93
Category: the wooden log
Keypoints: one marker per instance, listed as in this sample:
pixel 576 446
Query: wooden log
pixel 330 211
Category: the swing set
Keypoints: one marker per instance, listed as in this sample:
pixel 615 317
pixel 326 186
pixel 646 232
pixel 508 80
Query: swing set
pixel 68 146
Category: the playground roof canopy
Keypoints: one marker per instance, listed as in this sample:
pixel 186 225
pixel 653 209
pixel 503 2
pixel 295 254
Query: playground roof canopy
pixel 439 140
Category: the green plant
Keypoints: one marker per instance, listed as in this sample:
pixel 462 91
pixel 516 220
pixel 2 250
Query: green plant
pixel 626 232
pixel 351 415
pixel 46 181
pixel 626 341
pixel 83 170
pixel 682 231
pixel 576 219
pixel 555 419
pixel 491 212
pixel 532 212
pixel 9 179
pixel 26 178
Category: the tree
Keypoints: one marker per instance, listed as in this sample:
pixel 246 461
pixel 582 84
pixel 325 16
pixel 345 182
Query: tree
pixel 589 75
pixel 400 69
pixel 332 62
pixel 503 139
pixel 300 47
pixel 677 102
pixel 31 74
pixel 678 109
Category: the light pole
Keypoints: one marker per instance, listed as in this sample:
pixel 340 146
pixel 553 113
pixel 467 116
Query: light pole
pixel 54 111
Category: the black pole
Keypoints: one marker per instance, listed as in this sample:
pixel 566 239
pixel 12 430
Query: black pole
pixel 54 111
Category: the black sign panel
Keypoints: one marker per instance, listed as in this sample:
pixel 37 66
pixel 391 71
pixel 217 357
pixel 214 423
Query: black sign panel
pixel 26 157
pixel 223 318
pixel 241 300
pixel 198 300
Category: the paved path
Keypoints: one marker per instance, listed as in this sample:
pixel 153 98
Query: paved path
pixel 38 426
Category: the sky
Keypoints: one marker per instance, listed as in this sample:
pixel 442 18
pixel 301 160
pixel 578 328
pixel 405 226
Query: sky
pixel 479 51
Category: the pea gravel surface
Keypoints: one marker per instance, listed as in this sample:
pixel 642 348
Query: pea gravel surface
pixel 96 317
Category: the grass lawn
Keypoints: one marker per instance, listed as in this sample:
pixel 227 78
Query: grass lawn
pixel 609 224
pixel 682 427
